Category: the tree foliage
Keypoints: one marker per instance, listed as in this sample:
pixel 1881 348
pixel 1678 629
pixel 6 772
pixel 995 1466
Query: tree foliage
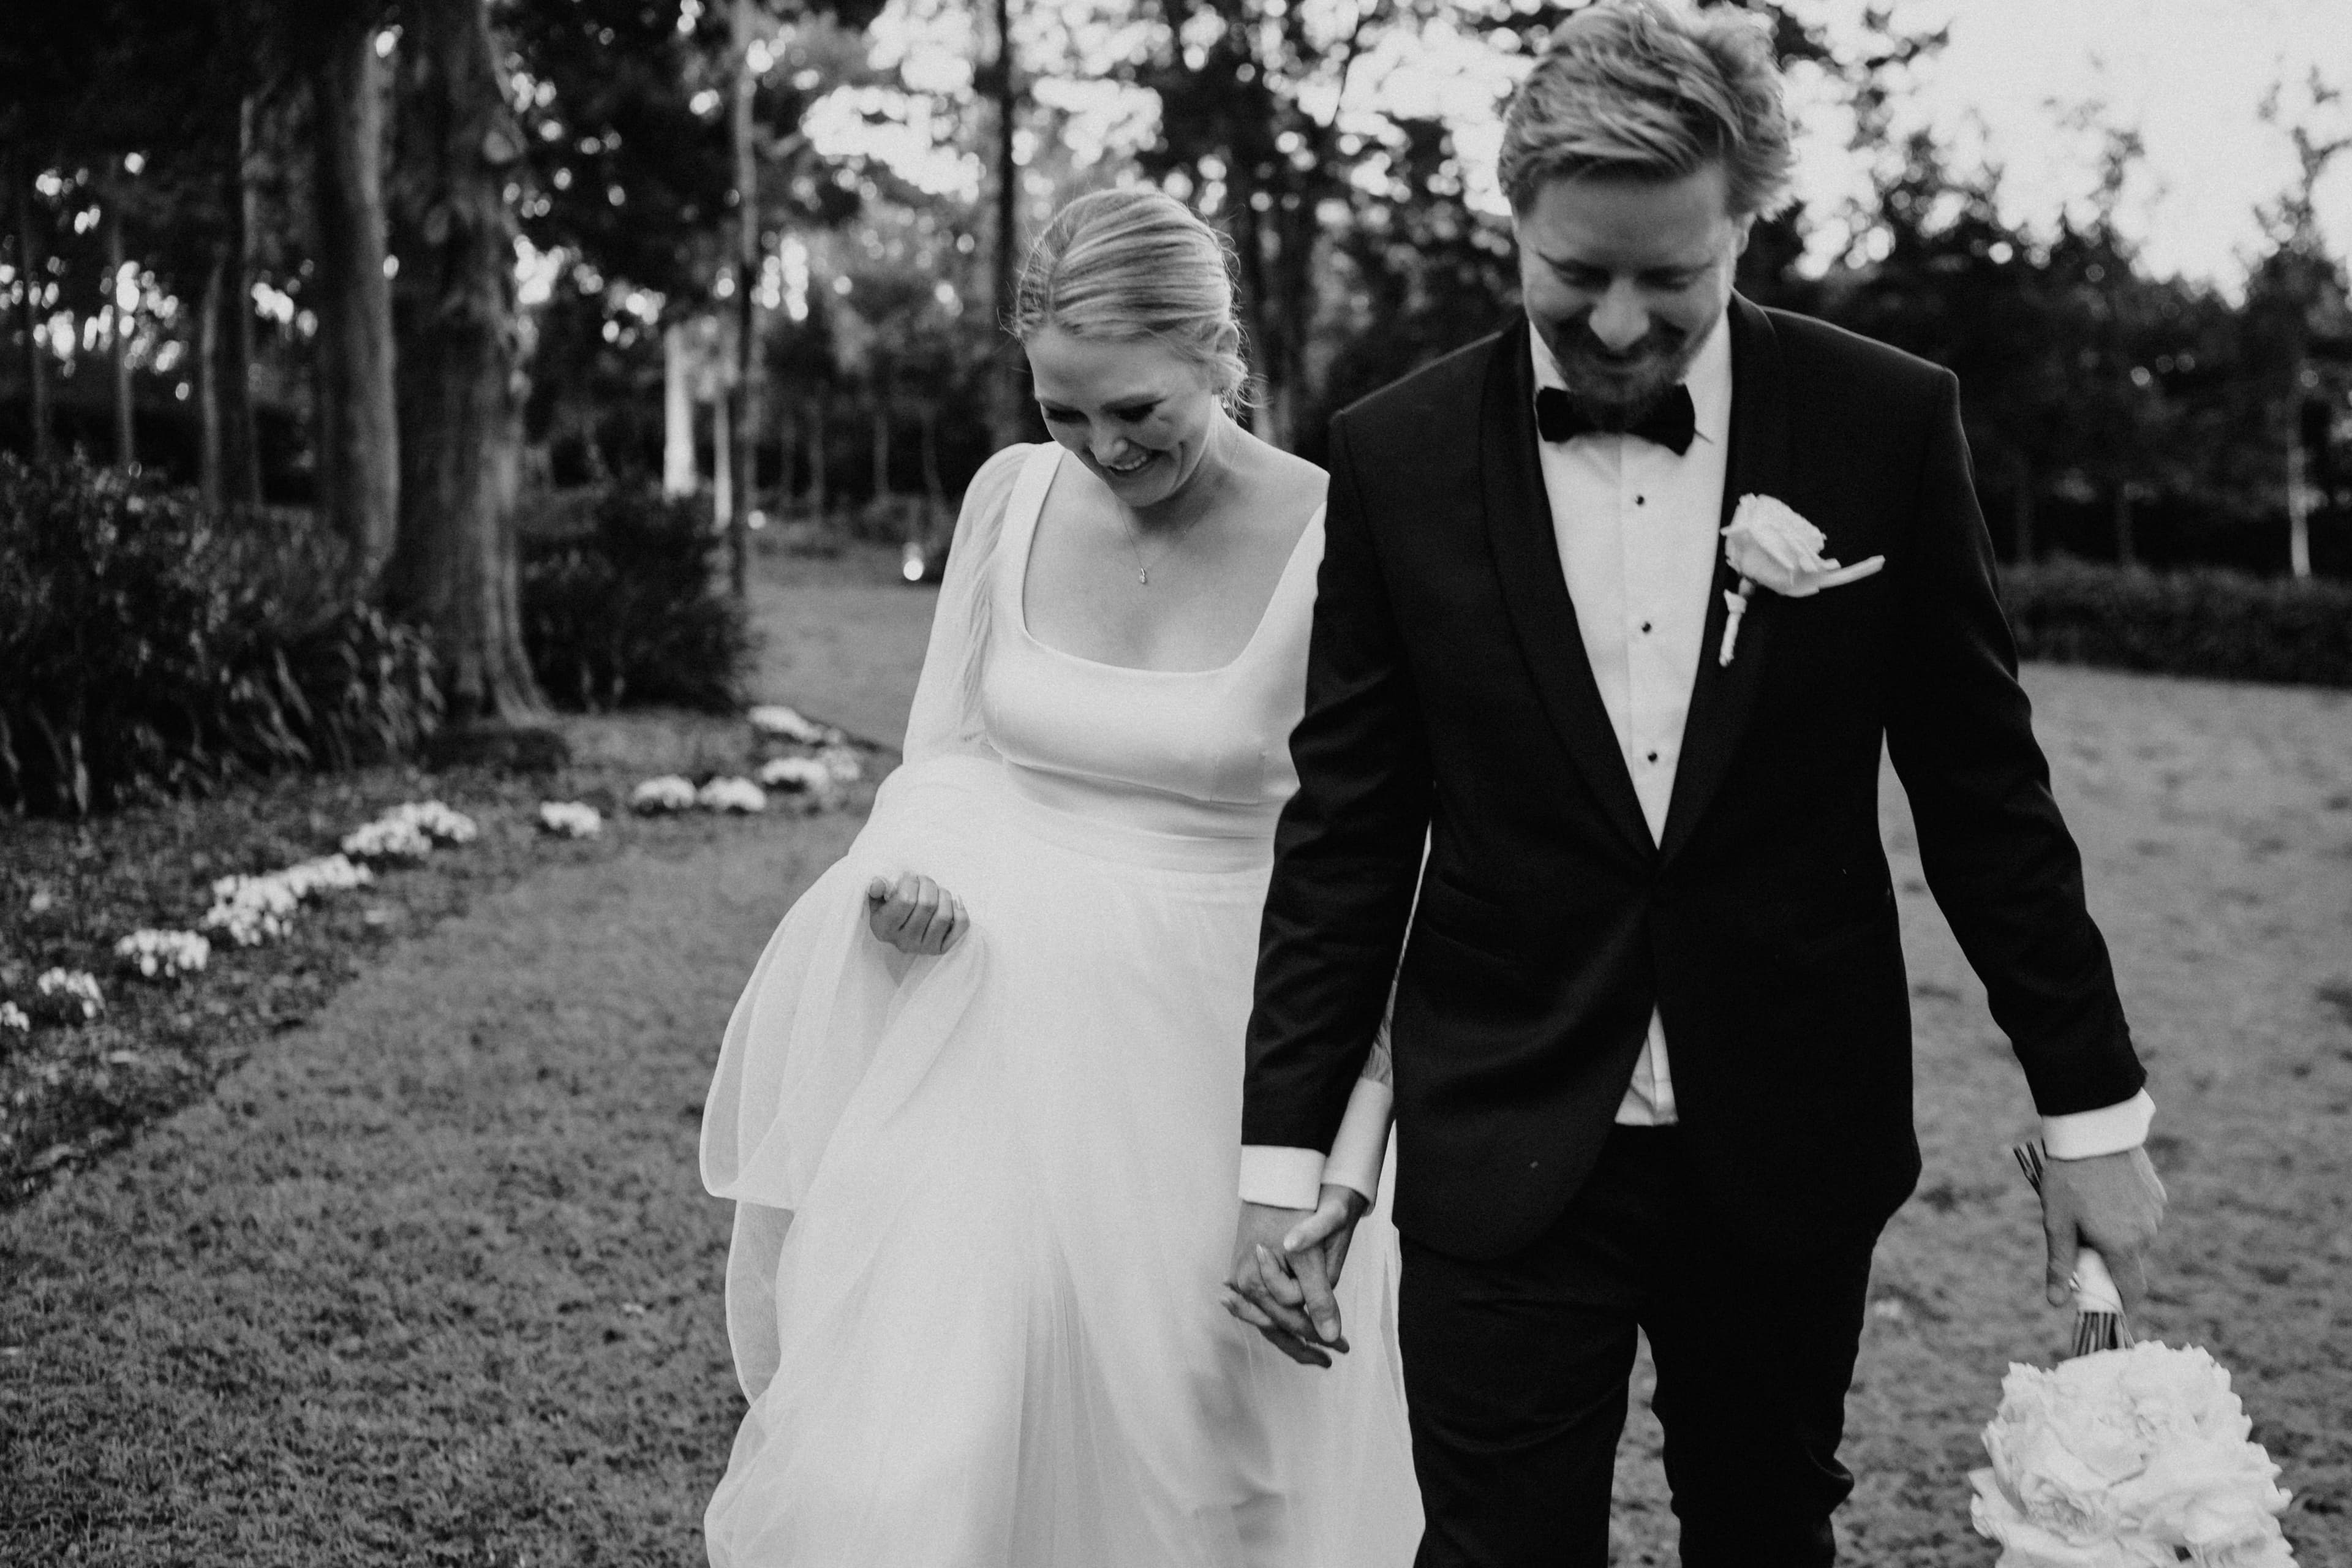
pixel 2111 411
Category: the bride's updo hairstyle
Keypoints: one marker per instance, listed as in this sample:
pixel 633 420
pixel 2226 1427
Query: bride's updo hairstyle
pixel 1131 266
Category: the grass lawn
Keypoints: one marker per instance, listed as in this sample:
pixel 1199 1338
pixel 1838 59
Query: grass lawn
pixel 2216 822
pixel 430 1278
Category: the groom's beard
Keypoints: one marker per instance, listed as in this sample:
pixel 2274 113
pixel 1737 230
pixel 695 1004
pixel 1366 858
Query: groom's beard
pixel 1615 387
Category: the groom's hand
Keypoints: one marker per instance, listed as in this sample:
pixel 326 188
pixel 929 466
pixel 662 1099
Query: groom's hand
pixel 2113 1203
pixel 1284 1296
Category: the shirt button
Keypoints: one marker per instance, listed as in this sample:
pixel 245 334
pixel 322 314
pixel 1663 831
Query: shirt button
pixel 1645 627
pixel 1653 756
pixel 1640 500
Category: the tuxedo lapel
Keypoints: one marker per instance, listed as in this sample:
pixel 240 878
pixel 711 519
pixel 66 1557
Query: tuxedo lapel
pixel 1723 697
pixel 1535 589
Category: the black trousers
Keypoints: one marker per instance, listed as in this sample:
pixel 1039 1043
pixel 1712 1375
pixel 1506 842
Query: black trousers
pixel 1516 1375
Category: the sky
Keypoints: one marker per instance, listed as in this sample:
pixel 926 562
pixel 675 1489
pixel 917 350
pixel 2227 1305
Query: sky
pixel 2188 74
pixel 2009 89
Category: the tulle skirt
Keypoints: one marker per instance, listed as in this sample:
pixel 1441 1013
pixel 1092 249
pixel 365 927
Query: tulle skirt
pixel 984 1203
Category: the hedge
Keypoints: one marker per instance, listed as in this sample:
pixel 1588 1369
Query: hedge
pixel 148 648
pixel 2224 625
pixel 623 603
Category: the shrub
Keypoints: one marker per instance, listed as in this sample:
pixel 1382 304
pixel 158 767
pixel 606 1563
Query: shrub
pixel 630 609
pixel 148 648
pixel 2221 624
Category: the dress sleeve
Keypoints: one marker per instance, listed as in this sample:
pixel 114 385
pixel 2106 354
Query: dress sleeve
pixel 945 719
pixel 1361 1145
pixel 1291 1178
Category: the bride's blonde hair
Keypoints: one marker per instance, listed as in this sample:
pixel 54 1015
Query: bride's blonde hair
pixel 1129 266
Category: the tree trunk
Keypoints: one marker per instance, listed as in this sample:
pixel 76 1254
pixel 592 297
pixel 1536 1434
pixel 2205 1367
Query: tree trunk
pixel 788 453
pixel 2299 512
pixel 453 567
pixel 2127 551
pixel 240 457
pixel 30 271
pixel 2020 504
pixel 723 508
pixel 679 471
pixel 118 321
pixel 935 494
pixel 881 448
pixel 210 489
pixel 1006 423
pixel 820 499
pixel 747 279
pixel 358 435
pixel 1292 296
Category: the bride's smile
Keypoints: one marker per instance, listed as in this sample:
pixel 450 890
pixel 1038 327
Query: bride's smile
pixel 1143 418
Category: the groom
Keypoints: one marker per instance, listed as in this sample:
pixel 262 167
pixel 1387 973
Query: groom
pixel 1651 1031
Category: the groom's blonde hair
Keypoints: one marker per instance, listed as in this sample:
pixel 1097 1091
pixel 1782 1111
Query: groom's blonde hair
pixel 1647 90
pixel 1126 266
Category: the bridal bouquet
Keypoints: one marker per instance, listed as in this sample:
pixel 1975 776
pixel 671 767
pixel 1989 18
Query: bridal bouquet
pixel 2127 1459
pixel 2126 1456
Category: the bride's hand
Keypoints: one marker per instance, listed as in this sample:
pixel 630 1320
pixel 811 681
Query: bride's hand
pixel 1285 1290
pixel 1329 1230
pixel 914 914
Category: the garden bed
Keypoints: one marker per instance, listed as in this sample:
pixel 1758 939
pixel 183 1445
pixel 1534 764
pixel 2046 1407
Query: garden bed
pixel 70 891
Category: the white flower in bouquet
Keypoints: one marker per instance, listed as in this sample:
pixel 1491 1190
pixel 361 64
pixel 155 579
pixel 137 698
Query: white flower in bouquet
pixel 2124 1458
pixel 787 725
pixel 843 764
pixel 71 991
pixel 570 818
pixel 668 792
pixel 796 775
pixel 169 953
pixel 732 795
pixel 14 1017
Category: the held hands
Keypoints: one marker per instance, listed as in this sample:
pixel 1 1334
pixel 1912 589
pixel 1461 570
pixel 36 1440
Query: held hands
pixel 2113 1203
pixel 1287 1263
pixel 914 914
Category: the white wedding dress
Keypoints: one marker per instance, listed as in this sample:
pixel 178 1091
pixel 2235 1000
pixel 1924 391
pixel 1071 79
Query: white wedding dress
pixel 985 1200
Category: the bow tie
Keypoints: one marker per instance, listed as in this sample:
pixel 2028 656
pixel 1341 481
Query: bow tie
pixel 1671 422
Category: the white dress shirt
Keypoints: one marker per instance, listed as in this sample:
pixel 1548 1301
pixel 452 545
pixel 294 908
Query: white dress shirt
pixel 1637 531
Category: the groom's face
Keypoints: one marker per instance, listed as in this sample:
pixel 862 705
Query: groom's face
pixel 1624 278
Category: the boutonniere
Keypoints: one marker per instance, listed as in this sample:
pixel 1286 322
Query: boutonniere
pixel 1768 544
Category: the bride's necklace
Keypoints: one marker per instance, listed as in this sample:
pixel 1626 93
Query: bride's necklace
pixel 1134 544
pixel 1176 534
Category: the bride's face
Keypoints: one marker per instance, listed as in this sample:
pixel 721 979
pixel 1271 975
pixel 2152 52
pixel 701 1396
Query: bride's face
pixel 1140 415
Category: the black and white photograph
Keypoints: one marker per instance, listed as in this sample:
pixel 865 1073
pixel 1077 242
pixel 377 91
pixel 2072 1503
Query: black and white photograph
pixel 1176 783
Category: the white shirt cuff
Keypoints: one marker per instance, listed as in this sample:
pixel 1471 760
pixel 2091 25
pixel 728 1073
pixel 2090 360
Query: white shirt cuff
pixel 2110 1130
pixel 1282 1178
pixel 1362 1145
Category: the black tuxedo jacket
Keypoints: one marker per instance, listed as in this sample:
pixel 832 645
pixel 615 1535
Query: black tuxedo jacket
pixel 1449 697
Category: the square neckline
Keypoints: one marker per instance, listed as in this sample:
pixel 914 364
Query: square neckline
pixel 1035 509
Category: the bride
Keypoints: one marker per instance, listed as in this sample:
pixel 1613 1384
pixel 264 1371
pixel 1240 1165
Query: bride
pixel 979 1107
